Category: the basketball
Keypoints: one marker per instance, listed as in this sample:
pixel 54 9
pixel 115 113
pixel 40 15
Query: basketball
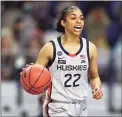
pixel 35 79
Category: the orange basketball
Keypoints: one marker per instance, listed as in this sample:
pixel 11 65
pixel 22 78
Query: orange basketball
pixel 35 79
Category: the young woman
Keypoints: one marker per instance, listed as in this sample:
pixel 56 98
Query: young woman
pixel 70 59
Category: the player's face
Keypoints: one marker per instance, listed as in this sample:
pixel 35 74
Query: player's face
pixel 74 22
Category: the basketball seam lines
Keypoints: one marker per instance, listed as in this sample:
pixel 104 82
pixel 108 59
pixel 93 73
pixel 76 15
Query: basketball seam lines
pixel 36 80
pixel 32 86
pixel 43 85
pixel 26 84
pixel 29 77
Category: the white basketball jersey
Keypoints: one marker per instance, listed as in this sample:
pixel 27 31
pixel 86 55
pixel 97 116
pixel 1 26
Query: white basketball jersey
pixel 69 72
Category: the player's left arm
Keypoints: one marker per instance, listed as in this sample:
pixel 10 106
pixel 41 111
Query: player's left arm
pixel 94 78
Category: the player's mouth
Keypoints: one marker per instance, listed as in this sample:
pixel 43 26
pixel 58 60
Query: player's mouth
pixel 77 28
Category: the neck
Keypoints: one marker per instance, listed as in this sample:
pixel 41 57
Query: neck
pixel 70 39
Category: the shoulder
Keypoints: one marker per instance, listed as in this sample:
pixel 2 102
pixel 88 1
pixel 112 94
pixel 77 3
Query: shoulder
pixel 92 49
pixel 49 45
pixel 92 45
pixel 47 48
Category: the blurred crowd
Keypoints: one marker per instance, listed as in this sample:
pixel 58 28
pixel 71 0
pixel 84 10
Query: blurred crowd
pixel 27 25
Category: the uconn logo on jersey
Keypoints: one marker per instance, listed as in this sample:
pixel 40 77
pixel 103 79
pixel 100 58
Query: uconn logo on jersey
pixel 60 58
pixel 59 53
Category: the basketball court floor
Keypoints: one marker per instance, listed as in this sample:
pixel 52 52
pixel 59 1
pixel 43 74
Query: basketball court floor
pixel 30 105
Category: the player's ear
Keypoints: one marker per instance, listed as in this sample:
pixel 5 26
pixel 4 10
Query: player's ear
pixel 63 23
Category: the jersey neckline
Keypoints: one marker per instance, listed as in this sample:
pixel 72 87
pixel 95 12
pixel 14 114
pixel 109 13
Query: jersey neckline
pixel 69 54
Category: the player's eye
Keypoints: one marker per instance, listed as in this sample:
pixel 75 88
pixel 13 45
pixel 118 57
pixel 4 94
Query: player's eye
pixel 82 18
pixel 73 18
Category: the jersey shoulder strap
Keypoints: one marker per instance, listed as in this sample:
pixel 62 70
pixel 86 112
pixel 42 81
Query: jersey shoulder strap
pixel 54 54
pixel 86 44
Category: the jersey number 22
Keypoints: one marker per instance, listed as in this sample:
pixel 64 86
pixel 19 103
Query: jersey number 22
pixel 70 76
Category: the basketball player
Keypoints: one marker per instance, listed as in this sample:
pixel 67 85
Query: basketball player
pixel 71 59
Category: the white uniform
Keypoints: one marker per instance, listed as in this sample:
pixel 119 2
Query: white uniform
pixel 69 90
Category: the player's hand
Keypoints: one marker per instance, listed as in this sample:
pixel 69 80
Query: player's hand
pixel 97 93
pixel 27 65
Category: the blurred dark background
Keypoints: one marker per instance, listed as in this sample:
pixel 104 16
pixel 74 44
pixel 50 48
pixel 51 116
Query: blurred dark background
pixel 27 25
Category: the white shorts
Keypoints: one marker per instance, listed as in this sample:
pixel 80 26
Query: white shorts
pixel 68 109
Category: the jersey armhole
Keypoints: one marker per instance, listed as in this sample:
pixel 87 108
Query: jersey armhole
pixel 88 55
pixel 54 54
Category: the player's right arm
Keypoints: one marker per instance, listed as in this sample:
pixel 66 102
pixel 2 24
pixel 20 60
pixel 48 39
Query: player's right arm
pixel 45 55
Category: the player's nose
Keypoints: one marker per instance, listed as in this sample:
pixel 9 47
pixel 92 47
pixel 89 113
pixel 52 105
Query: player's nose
pixel 78 20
